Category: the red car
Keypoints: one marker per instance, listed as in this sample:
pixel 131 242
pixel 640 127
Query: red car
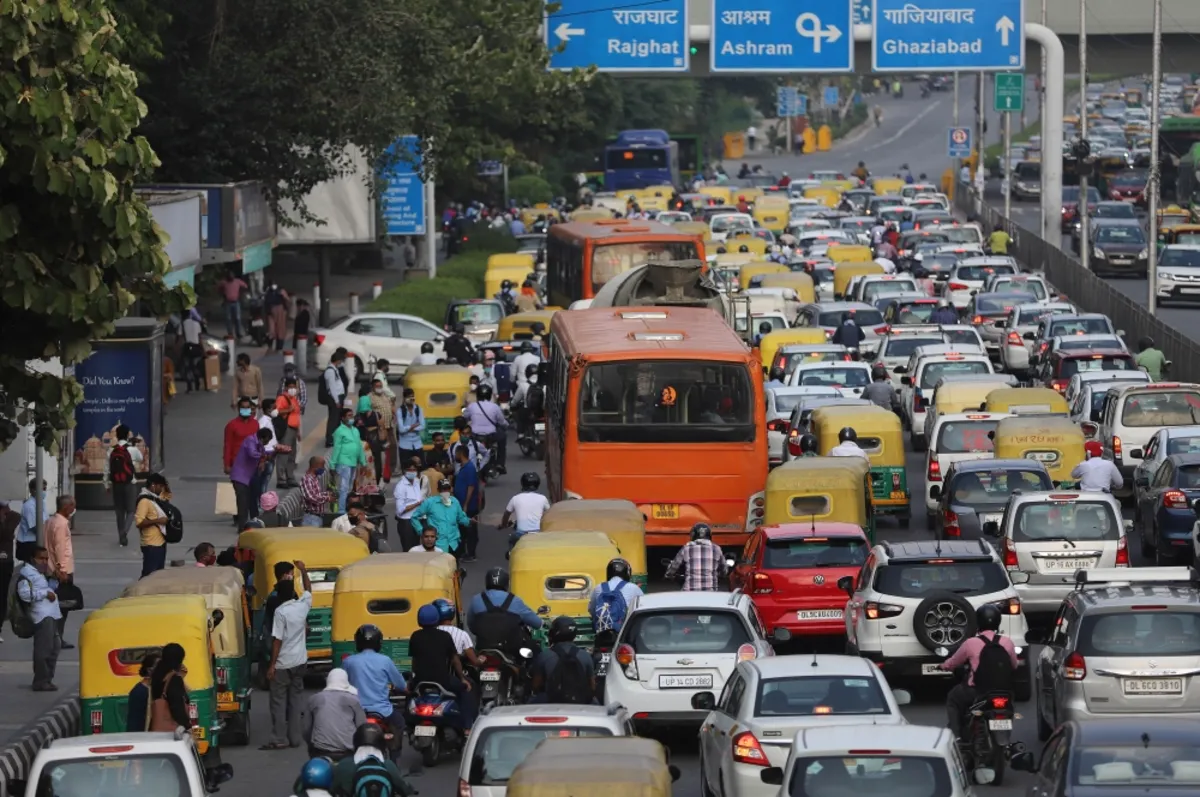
pixel 791 571
pixel 1057 370
pixel 1070 206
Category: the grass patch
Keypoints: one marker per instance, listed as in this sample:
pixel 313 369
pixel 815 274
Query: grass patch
pixel 424 298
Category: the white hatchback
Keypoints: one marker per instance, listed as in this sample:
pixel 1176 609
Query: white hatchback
pixel 780 403
pixel 967 278
pixel 956 437
pixel 1133 413
pixel 849 378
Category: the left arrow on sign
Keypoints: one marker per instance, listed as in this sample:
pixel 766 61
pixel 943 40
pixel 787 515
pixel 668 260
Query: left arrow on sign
pixel 1005 27
pixel 565 31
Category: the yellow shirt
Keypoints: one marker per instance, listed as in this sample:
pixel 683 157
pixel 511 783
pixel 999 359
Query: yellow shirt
pixel 998 241
pixel 151 535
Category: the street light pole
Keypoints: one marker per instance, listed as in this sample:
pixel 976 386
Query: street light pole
pixel 1042 115
pixel 1153 186
pixel 1082 208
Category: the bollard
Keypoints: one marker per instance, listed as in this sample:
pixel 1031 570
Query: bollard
pixel 231 344
pixel 289 357
pixel 353 303
pixel 301 356
pixel 316 296
pixel 824 138
pixel 810 140
pixel 376 289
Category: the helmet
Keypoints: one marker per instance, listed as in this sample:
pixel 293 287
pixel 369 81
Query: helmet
pixel 1145 343
pixel 317 774
pixel 778 374
pixel 428 616
pixel 765 327
pixel 505 284
pixel 879 371
pixel 1094 449
pixel 426 348
pixel 562 629
pixel 496 578
pixel 445 610
pixel 368 637
pixel 701 531
pixel 808 443
pixel 847 434
pixel 527 347
pixel 369 735
pixel 987 617
pixel 484 392
pixel 618 568
pixel 530 481
pixel 460 329
pixel 531 371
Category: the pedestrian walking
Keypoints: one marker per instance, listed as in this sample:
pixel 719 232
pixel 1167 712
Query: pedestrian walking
pixel 247 381
pixel 276 304
pixel 314 496
pixel 230 289
pixel 366 421
pixel 137 710
pixel 751 137
pixel 383 404
pixel 9 520
pixel 468 490
pixel 287 405
pixel 243 425
pixel 169 699
pixel 151 521
pixel 408 495
pixel 333 392
pixel 347 455
pixel 267 420
pixel 245 471
pixel 193 350
pixel 410 426
pixel 62 557
pixel 333 715
pixel 409 252
pixel 289 659
pixel 27 527
pixel 33 588
pixel 302 322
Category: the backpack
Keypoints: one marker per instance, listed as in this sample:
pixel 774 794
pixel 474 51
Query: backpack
pixel 20 613
pixel 535 399
pixel 994 672
pixel 497 628
pixel 323 394
pixel 568 682
pixel 173 531
pixel 610 610
pixel 120 465
pixel 371 779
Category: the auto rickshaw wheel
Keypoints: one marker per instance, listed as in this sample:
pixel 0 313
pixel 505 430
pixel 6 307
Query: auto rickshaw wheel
pixel 237 730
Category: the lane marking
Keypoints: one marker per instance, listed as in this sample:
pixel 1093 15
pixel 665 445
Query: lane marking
pixel 911 124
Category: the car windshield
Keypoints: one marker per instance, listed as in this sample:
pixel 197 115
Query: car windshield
pixel 477 314
pixel 1031 315
pixel 905 345
pixel 666 401
pixel 934 371
pixel 883 287
pixel 792 360
pixel 918 579
pixel 1137 767
pixel 1117 210
pixel 1147 632
pixel 676 631
pixel 1161 408
pixel 962 235
pixel 1080 326
pixel 865 318
pixel 809 552
pixel 909 241
pixel 1035 287
pixel 1120 234
pixel 870 776
pixel 500 748
pixel 786 402
pixel 835 377
pixel 1180 257
pixel 1029 171
pixel 990 489
pixel 116 776
pixel 1097 362
pixel 1130 179
pixel 731 221
pixel 980 273
pixel 1002 303
pixel 914 312
pixel 822 695
pixel 1070 193
pixel 1183 444
pixel 1075 520
pixel 1080 343
pixel 967 336
pixel 966 437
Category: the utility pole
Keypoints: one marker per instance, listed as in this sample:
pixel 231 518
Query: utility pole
pixel 955 163
pixel 1007 121
pixel 1082 208
pixel 1153 185
pixel 1042 114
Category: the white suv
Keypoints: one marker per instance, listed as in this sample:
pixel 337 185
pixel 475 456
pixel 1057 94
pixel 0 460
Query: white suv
pixel 675 644
pixel 911 598
pixel 503 736
pixel 165 763
pixel 1133 413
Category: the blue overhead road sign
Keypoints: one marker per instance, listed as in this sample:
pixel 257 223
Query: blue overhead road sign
pixel 948 35
pixel 862 12
pixel 403 197
pixel 959 143
pixel 615 37
pixel 782 36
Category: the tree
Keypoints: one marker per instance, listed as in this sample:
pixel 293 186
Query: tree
pixel 77 246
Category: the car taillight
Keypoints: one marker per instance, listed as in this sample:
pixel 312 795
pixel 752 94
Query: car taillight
pixel 793 443
pixel 1014 339
pixel 1123 552
pixel 958 286
pixel 1075 668
pixel 222 678
pixel 464 788
pixel 1116 446
pixel 934 472
pixel 778 425
pixel 1009 605
pixel 318 340
pixel 747 750
pixel 746 652
pixel 761 584
pixel 193 714
pixel 876 611
pixel 1174 499
pixel 1010 554
pixel 1059 384
pixel 626 658
pixel 97 722
pixel 977 320
pixel 883 330
pixel 916 402
pixel 950 524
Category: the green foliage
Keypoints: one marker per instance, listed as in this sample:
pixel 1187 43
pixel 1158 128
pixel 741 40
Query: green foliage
pixel 470 267
pixel 425 298
pixel 530 190
pixel 488 240
pixel 77 246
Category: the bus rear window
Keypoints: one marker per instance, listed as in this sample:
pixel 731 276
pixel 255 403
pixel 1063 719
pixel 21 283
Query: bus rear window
pixel 636 159
pixel 610 260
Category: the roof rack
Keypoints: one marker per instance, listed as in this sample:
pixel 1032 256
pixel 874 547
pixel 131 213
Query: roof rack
pixel 1110 576
pixel 984 547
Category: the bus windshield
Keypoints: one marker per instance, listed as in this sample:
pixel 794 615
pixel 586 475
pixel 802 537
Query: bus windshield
pixel 611 259
pixel 666 401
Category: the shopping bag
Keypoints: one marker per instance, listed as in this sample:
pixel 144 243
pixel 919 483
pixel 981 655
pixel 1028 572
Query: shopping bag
pixel 226 499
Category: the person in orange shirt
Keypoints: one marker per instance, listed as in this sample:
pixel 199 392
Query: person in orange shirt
pixel 62 552
pixel 288 404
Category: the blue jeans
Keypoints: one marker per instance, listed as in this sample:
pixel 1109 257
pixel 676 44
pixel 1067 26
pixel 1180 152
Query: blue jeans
pixel 233 318
pixel 154 558
pixel 313 521
pixel 345 481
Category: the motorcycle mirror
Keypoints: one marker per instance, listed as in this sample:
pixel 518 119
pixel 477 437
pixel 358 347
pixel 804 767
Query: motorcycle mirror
pixel 543 610
pixel 526 653
pixel 984 776
pixel 942 651
pixel 730 562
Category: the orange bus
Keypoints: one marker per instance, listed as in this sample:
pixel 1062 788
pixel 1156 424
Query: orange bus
pixel 583 255
pixel 663 407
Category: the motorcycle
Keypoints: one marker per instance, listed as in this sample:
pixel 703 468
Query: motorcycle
pixel 601 656
pixel 392 742
pixel 533 441
pixel 987 746
pixel 501 681
pixel 434 723
pixel 258 323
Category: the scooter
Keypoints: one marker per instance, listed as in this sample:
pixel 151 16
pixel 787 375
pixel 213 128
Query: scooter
pixel 258 323
pixel 392 742
pixel 434 722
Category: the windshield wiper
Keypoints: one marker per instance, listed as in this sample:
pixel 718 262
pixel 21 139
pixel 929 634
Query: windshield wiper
pixel 1058 539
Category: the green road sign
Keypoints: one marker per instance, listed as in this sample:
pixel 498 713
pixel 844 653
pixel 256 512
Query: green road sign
pixel 1010 92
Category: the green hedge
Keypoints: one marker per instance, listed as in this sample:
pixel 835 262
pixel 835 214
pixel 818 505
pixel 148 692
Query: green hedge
pixel 425 298
pixel 469 267
pixel 531 189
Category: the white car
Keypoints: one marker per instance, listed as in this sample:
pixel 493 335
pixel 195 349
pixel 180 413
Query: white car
pixel 1179 274
pixel 896 347
pixel 673 217
pixel 1058 324
pixel 1081 378
pixel 849 378
pixel 1087 407
pixel 925 367
pixel 829 315
pixel 503 736
pixel 1020 326
pixel 960 235
pixel 674 644
pixel 967 278
pixel 1133 413
pixel 725 223
pixel 369 337
pixel 780 403
pixel 1024 283
pixel 130 763
pixel 912 598
pixel 913 190
pixel 766 702
pixel 956 437
pixel 875 286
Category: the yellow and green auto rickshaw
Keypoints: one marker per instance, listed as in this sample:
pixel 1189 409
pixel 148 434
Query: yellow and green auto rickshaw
pixel 1026 401
pixel 1056 441
pixel 558 573
pixel 621 520
pixel 222 588
pixel 519 326
pixel 441 391
pixel 386 590
pixel 881 436
pixel 821 488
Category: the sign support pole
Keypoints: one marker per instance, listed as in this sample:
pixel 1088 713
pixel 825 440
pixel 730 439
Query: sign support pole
pixel 1042 110
pixel 1085 254
pixel 1007 170
pixel 1154 186
pixel 431 226
pixel 955 163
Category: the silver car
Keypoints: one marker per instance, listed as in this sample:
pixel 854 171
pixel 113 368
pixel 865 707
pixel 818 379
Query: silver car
pixel 780 403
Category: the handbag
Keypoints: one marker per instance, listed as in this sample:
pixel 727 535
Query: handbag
pixel 161 720
pixel 70 597
pixel 226 499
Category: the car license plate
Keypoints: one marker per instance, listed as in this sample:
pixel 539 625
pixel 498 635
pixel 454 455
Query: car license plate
pixel 1070 565
pixel 489 675
pixel 1152 686
pixel 539 427
pixel 605 658
pixel 664 511
pixel 989 519
pixel 999 725
pixel 820 614
pixel 225 697
pixel 933 669
pixel 685 682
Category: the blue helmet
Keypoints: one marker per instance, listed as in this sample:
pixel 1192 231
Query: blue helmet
pixel 428 616
pixel 317 774
pixel 445 610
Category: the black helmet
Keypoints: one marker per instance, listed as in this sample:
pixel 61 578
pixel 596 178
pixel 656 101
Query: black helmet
pixel 987 617
pixel 777 374
pixel 562 629
pixel 496 578
pixel 618 568
pixel 505 284
pixel 368 637
pixel 701 531
pixel 426 348
pixel 460 329
pixel 484 392
pixel 531 370
pixel 765 327
pixel 808 444
pixel 879 371
pixel 530 481
pixel 369 735
pixel 527 346
pixel 1145 343
pixel 847 434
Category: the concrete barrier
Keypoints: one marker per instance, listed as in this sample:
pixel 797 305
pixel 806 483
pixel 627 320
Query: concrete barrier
pixel 60 722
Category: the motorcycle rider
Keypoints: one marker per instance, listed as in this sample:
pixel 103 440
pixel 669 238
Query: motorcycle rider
pixel 944 314
pixel 808 445
pixel 522 361
pixel 564 672
pixel 1095 473
pixel 525 509
pixel 528 403
pixel 369 760
pixel 703 559
pixel 1151 359
pixel 964 695
pixel 861 171
pixel 435 660
pixel 458 348
pixel 426 357
pixel 375 676
pixel 316 779
pixel 462 640
pixel 606 612
pixel 487 420
pixel 507 297
pixel 880 391
pixel 496 616
pixel 849 333
pixel 848 445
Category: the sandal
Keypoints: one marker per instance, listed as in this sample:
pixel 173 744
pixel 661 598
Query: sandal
pixel 282 746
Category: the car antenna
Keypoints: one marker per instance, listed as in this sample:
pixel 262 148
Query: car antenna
pixel 815 664
pixel 813 520
pixel 1145 739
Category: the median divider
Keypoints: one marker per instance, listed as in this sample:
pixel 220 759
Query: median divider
pixel 16 758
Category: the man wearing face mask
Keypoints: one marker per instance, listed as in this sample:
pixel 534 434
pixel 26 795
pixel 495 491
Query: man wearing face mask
pixel 236 431
pixel 314 495
pixel 267 421
pixel 467 439
pixel 288 408
pixel 444 513
pixel 247 466
pixel 408 495
pixel 383 404
pixel 410 424
pixel 247 381
pixel 151 521
pixel 487 377
pixel 487 421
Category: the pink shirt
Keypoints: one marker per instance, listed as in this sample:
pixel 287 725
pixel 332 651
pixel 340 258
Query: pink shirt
pixel 970 650
pixel 58 545
pixel 231 289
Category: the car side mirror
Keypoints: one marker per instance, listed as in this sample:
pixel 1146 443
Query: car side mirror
pixel 923 403
pixel 1023 762
pixel 781 635
pixel 704 701
pixel 1037 636
pixel 935 491
pixel 772 776
pixel 991 529
pixel 1142 481
pixel 1029 336
pixel 846 584
pixel 906 380
pixel 900 369
pixel 972 293
pixel 870 355
pixel 902 697
pixel 1120 333
pixel 438 339
pixel 1137 453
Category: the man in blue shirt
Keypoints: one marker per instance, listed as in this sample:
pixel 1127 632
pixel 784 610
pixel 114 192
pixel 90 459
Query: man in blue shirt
pixel 468 490
pixel 27 529
pixel 516 226
pixel 376 677
pixel 485 623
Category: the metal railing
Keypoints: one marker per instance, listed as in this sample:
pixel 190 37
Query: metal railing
pixel 1089 292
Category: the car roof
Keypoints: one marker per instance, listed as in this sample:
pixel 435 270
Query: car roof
pixel 1088 354
pixel 895 738
pixel 688 600
pixel 1079 317
pixel 143 740
pixel 1180 431
pixel 942 549
pixel 843 364
pixel 829 307
pixel 407 317
pixel 795 390
pixel 976 465
pixel 1042 497
pixel 801 665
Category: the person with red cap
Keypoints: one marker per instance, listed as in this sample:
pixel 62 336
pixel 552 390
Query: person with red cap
pixel 1097 474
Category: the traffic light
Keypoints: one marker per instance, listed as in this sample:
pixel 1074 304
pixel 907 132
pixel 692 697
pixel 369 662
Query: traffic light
pixel 693 49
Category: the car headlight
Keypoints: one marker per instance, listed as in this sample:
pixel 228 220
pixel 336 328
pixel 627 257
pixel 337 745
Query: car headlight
pixel 1164 276
pixel 1099 254
pixel 1142 255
